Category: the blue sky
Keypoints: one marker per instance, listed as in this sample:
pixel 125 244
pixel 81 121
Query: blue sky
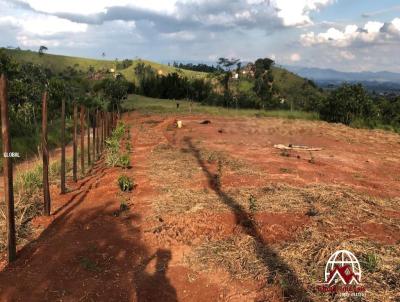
pixel 348 35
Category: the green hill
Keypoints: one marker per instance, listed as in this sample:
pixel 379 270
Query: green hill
pixel 292 88
pixel 58 63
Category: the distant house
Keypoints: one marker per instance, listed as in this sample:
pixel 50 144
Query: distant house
pixel 248 70
pixel 112 70
pixel 235 76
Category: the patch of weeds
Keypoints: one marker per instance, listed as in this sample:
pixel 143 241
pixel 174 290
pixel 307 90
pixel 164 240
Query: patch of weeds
pixel 123 207
pixel 113 157
pixel 128 146
pixel 89 264
pixel 30 181
pixel 124 161
pixel 369 262
pixel 125 183
pixel 252 203
pixel 285 170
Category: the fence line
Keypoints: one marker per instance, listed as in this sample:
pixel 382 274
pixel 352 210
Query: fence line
pixel 102 125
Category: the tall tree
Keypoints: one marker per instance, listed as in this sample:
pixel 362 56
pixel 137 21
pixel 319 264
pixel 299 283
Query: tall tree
pixel 42 50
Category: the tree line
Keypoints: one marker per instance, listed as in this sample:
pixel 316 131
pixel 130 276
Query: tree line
pixel 349 104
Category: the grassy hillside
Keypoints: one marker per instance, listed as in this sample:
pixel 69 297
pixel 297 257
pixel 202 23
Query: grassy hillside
pixel 290 84
pixel 58 63
pixel 160 106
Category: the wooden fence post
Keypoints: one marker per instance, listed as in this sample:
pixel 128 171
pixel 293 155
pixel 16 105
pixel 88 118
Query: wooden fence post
pixel 63 147
pixel 108 121
pixel 75 146
pixel 88 137
pixel 8 171
pixel 94 137
pixel 97 133
pixel 82 118
pixel 45 157
pixel 102 130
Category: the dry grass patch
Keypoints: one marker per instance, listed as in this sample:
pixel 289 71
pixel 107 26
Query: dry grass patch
pixel 238 255
pixel 380 264
pixel 178 201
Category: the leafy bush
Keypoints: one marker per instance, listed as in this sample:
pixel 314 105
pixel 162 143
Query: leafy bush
pixel 124 161
pixel 125 183
pixel 347 104
pixel 113 157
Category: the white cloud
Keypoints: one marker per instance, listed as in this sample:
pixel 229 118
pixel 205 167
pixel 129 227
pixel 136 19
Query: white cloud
pixel 295 57
pixel 36 42
pixel 297 12
pixel 372 31
pixel 396 23
pixel 92 7
pixel 43 25
pixel 373 26
pixel 180 36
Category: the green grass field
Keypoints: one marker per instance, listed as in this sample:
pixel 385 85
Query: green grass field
pixel 159 106
pixel 58 63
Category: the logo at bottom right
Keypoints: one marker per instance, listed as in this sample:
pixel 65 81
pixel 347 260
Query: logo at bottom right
pixel 342 275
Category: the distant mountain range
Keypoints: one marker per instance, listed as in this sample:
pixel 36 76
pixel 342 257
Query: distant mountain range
pixel 380 82
pixel 318 74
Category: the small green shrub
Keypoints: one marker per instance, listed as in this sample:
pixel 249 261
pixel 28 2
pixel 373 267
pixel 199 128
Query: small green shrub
pixel 112 159
pixel 123 207
pixel 124 161
pixel 369 262
pixel 119 131
pixel 125 183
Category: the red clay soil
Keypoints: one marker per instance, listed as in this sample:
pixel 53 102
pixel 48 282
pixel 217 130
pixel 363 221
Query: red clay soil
pixel 367 160
pixel 88 251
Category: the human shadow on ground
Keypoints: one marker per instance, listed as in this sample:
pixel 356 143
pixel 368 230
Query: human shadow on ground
pixel 155 286
pixel 88 254
pixel 293 289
